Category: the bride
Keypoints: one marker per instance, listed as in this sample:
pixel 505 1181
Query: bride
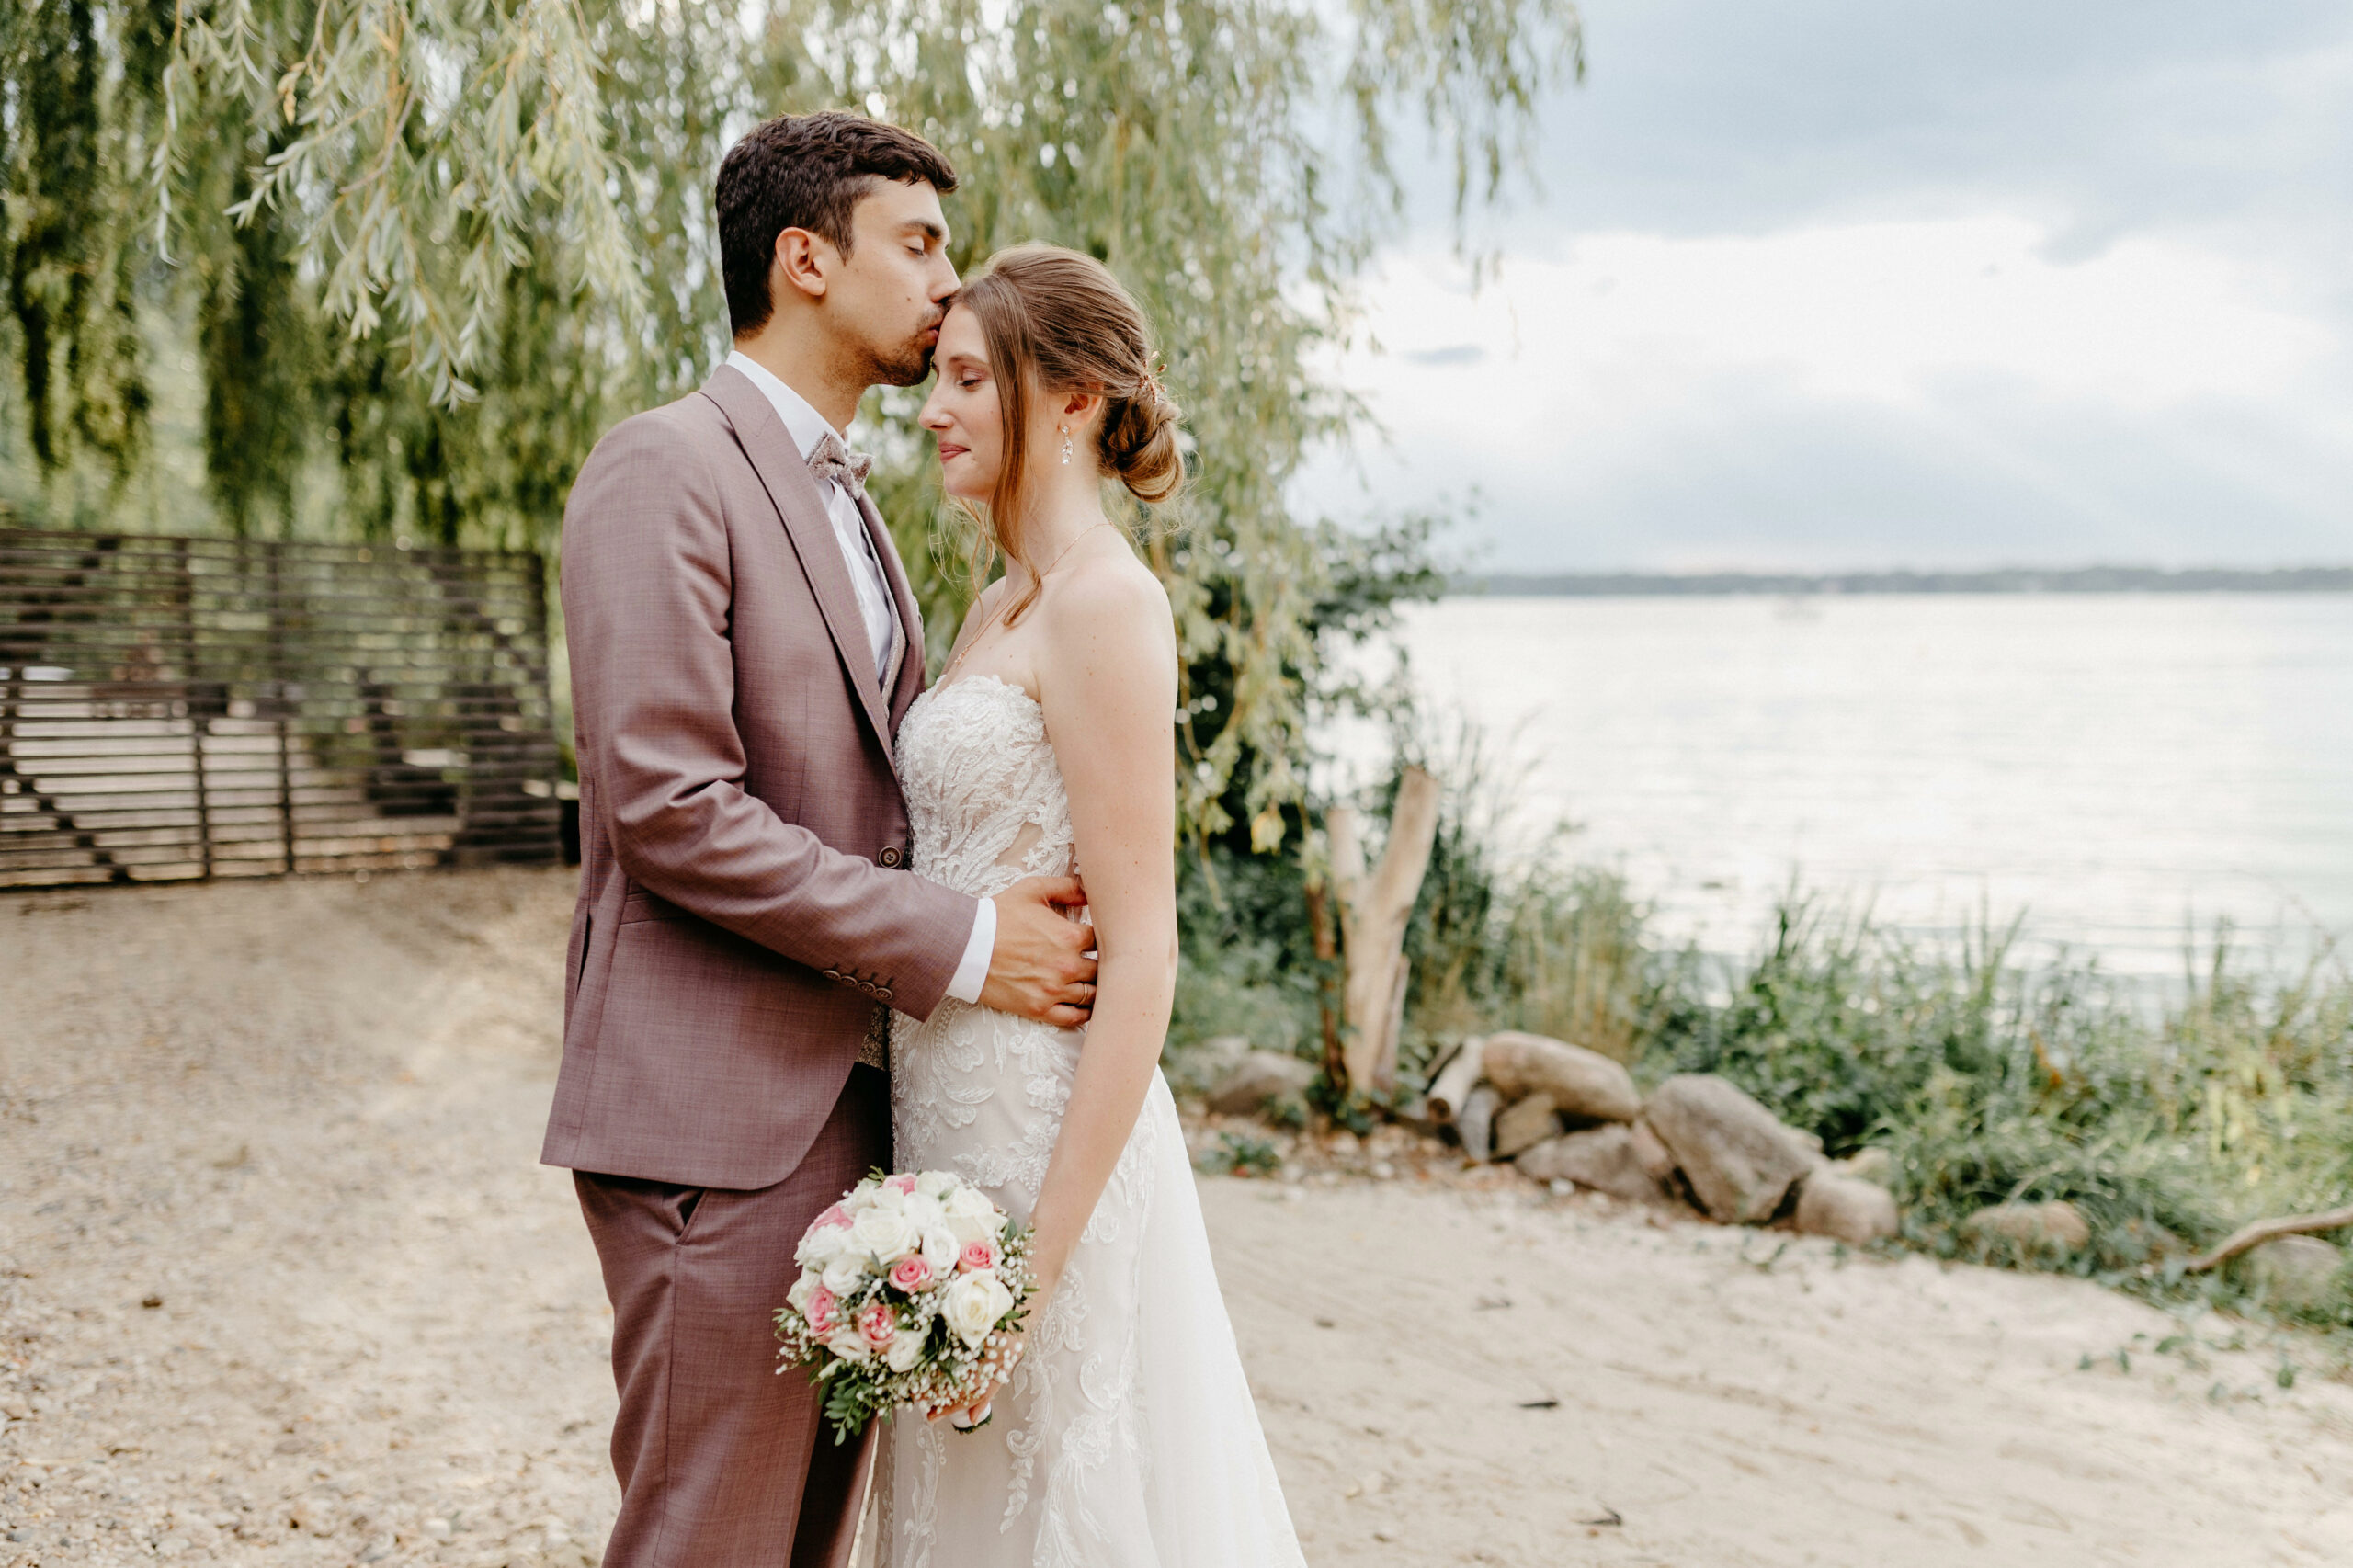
pixel 1125 1435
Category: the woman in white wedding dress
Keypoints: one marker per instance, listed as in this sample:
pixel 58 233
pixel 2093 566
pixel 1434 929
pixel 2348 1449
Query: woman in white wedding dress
pixel 1126 1437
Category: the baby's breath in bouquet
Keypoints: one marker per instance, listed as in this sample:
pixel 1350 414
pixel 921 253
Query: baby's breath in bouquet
pixel 908 1289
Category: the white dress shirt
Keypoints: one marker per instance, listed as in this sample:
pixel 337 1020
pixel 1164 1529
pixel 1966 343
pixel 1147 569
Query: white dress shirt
pixel 875 607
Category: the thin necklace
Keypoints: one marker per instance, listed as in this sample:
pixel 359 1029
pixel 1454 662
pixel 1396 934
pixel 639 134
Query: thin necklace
pixel 990 624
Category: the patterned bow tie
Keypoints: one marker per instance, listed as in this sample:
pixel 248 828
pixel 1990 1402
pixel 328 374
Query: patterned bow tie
pixel 830 460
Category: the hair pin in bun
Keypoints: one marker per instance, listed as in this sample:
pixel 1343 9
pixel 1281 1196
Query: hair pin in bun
pixel 1158 395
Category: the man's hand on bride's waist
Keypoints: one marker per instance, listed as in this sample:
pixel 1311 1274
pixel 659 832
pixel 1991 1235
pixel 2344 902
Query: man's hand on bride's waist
pixel 1039 967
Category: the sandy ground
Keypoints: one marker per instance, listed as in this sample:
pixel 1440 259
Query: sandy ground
pixel 282 1284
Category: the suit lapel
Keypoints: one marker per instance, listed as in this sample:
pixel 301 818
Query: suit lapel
pixel 793 491
pixel 910 676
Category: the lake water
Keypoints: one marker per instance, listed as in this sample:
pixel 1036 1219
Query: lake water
pixel 2123 769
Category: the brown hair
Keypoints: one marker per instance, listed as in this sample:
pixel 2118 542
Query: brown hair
pixel 1056 320
pixel 805 171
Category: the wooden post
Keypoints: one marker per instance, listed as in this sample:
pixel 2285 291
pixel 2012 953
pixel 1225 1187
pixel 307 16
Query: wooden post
pixel 281 687
pixel 1373 911
pixel 200 717
pixel 1327 951
pixel 1476 1123
pixel 1392 1025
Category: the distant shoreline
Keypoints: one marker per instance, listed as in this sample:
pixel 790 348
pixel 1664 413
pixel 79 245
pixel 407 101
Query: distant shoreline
pixel 2001 580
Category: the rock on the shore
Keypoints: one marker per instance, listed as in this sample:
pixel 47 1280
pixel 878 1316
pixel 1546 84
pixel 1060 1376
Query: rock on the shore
pixel 1874 1165
pixel 1740 1161
pixel 2059 1226
pixel 2300 1273
pixel 1602 1158
pixel 1854 1211
pixel 1258 1077
pixel 1524 1124
pixel 1584 1083
pixel 1650 1152
pixel 1220 1053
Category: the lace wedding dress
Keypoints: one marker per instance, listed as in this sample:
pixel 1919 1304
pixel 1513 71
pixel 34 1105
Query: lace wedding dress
pixel 1127 1437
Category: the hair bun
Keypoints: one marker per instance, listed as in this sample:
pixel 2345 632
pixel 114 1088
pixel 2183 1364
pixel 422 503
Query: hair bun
pixel 1140 443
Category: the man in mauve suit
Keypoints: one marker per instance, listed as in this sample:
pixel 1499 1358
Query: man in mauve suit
pixel 744 645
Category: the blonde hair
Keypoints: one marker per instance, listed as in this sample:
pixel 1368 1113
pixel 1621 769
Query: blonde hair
pixel 1058 319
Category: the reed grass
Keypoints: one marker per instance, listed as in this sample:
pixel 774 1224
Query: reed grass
pixel 2168 1119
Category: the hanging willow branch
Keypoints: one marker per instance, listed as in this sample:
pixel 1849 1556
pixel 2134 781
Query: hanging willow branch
pixel 426 138
pixel 432 248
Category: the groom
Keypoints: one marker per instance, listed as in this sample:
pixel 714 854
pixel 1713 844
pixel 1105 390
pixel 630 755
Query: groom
pixel 744 645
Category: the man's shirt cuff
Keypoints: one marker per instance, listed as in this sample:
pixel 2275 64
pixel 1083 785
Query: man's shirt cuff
pixel 974 973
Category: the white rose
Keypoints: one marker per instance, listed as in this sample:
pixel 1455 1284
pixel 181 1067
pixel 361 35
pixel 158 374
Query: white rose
pixel 972 1216
pixel 974 1303
pixel 941 1249
pixel 906 1349
pixel 797 1297
pixel 821 1245
pixel 883 1234
pixel 923 1211
pixel 844 1274
pixel 936 1184
pixel 889 1198
pixel 848 1344
pixel 968 1200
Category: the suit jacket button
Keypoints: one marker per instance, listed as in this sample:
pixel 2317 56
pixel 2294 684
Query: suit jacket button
pixel 834 975
pixel 882 994
pixel 889 855
pixel 870 988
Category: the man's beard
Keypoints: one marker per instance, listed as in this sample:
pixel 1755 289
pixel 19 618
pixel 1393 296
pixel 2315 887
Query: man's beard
pixel 910 365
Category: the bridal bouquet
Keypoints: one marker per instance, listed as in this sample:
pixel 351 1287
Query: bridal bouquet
pixel 903 1285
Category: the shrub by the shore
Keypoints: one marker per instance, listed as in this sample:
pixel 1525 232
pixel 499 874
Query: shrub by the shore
pixel 2167 1119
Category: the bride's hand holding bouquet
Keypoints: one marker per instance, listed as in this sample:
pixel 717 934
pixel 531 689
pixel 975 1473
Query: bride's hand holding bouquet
pixel 912 1292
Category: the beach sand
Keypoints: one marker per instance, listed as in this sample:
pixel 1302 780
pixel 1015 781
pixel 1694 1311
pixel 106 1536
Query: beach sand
pixel 301 1119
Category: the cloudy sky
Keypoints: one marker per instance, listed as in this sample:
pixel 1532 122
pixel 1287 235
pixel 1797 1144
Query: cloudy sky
pixel 1847 284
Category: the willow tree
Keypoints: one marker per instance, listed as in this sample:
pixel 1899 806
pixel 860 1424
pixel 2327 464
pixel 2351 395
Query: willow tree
pixel 79 88
pixel 433 247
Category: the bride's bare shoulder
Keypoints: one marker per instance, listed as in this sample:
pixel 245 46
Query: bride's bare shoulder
pixel 1111 597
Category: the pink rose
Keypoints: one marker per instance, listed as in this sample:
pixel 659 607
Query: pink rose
pixel 822 1304
pixel 911 1273
pixel 879 1324
pixel 975 1257
pixel 904 1182
pixel 837 1215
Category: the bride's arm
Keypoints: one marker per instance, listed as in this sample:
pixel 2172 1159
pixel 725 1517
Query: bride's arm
pixel 1109 686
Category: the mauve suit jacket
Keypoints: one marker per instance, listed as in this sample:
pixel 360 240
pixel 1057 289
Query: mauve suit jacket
pixel 744 905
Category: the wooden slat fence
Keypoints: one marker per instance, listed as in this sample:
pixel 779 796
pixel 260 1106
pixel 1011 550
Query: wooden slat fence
pixel 189 708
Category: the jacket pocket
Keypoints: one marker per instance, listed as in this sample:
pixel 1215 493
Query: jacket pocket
pixel 642 905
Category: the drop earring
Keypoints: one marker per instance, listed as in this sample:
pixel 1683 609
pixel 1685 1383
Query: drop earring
pixel 1065 430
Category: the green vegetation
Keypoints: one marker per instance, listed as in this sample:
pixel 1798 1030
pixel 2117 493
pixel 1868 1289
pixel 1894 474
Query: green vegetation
pixel 387 268
pixel 2167 1121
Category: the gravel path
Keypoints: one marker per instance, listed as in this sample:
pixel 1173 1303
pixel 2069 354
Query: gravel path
pixel 281 1283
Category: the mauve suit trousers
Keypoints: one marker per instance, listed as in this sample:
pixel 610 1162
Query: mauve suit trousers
pixel 723 1462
